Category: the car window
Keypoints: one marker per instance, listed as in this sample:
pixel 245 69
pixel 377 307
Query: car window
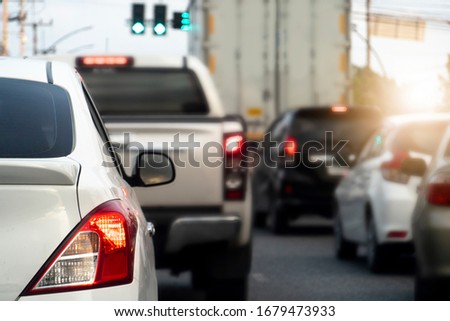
pixel 278 128
pixel 422 138
pixel 145 91
pixel 374 146
pixel 329 128
pixel 102 130
pixel 35 120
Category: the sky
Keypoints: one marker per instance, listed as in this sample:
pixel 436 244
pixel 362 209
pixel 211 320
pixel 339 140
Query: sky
pixel 110 27
pixel 415 65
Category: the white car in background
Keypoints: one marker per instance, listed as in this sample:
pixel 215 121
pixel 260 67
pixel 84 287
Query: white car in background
pixel 374 203
pixel 71 227
pixel 431 224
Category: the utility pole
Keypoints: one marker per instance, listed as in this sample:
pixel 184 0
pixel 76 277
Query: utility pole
pixel 5 28
pixel 277 94
pixel 35 26
pixel 22 28
pixel 368 33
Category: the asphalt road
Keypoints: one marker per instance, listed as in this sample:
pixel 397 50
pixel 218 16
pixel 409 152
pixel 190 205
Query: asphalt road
pixel 301 266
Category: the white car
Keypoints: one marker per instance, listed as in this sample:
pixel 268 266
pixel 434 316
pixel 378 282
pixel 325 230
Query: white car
pixel 374 203
pixel 71 227
pixel 431 224
pixel 171 104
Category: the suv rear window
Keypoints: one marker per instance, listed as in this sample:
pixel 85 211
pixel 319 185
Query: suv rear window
pixel 354 126
pixel 35 120
pixel 145 91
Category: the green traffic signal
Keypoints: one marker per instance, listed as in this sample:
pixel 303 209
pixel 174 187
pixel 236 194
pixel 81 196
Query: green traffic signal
pixel 182 21
pixel 138 18
pixel 159 19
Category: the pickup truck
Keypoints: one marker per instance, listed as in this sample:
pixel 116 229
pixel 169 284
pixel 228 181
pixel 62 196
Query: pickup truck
pixel 203 219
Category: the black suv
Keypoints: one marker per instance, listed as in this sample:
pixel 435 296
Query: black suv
pixel 303 156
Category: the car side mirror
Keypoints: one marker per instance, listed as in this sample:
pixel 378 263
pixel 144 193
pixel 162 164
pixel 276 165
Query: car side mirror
pixel 153 169
pixel 414 167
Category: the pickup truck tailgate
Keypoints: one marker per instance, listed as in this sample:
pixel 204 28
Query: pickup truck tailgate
pixel 199 169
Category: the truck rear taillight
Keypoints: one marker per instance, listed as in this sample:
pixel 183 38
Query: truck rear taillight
pixel 104 61
pixel 391 170
pixel 235 173
pixel 438 190
pixel 339 109
pixel 98 252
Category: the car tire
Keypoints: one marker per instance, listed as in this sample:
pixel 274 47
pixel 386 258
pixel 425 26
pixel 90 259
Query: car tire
pixel 260 219
pixel 345 250
pixel 199 279
pixel 259 215
pixel 227 289
pixel 426 289
pixel 376 253
pixel 276 219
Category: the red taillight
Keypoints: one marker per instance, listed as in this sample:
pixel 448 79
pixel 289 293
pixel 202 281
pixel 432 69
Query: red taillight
pixel 104 61
pixel 290 146
pixel 234 171
pixel 98 252
pixel 438 190
pixel 397 234
pixel 391 170
pixel 233 144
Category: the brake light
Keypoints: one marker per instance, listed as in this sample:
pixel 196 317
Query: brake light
pixel 104 61
pixel 438 190
pixel 233 143
pixel 397 234
pixel 391 169
pixel 234 173
pixel 290 146
pixel 98 252
pixel 339 109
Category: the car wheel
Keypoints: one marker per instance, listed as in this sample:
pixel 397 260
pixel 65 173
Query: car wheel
pixel 259 215
pixel 198 279
pixel 276 219
pixel 229 289
pixel 344 249
pixel 426 289
pixel 376 256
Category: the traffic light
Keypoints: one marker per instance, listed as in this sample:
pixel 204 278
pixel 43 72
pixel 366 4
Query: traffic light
pixel 159 19
pixel 138 18
pixel 182 21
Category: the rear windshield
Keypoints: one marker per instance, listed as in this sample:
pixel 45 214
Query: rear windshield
pixel 354 126
pixel 423 137
pixel 35 120
pixel 145 91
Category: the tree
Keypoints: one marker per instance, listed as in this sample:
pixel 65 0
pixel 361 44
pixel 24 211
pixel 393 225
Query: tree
pixel 372 89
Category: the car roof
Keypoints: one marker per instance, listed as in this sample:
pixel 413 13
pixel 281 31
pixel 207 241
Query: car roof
pixel 26 69
pixel 399 120
pixel 139 61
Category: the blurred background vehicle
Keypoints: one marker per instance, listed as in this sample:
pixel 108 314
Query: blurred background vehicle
pixel 73 226
pixel 431 224
pixel 374 203
pixel 204 218
pixel 268 57
pixel 304 155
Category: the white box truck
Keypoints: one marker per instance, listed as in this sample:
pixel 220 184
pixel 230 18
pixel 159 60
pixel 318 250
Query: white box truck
pixel 269 56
